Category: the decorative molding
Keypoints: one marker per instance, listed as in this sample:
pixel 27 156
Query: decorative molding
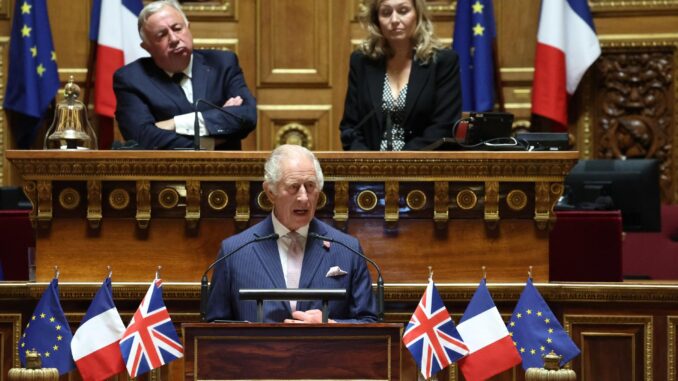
pixel 633 7
pixel 672 352
pixel 226 44
pixel 15 320
pixel 610 320
pixel 224 9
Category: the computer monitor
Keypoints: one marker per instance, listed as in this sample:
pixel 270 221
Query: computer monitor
pixel 631 186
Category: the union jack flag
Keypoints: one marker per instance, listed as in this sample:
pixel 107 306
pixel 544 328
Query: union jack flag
pixel 150 339
pixel 431 336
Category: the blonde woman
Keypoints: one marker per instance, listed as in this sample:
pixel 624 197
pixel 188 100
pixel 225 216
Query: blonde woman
pixel 404 91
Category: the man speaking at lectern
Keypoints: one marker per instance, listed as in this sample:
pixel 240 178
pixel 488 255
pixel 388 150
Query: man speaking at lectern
pixel 157 96
pixel 293 180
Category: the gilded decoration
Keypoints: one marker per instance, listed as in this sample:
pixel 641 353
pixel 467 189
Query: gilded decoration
pixel 242 202
pixel 441 203
pixel 542 209
pixel 491 213
pixel 119 199
pixel 516 200
pixel 143 216
pixel 94 212
pixel 217 199
pixel 340 203
pixel 69 198
pixel 295 133
pixel 209 9
pixel 416 199
pixel 168 198
pixel 192 203
pixel 672 325
pixel 367 200
pixel 263 202
pixel 44 190
pixel 322 200
pixel 467 199
pixel 392 198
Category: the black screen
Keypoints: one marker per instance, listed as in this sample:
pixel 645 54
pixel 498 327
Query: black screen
pixel 631 186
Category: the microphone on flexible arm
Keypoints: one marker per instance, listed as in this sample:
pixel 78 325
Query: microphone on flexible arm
pixel 380 279
pixel 204 287
pixel 196 122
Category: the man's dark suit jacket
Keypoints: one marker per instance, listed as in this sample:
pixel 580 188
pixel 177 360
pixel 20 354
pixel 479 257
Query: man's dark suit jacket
pixel 145 95
pixel 432 106
pixel 258 266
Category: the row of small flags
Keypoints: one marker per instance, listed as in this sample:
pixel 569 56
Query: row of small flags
pixel 482 344
pixel 102 347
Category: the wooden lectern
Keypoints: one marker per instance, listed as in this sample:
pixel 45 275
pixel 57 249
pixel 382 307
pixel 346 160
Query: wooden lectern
pixel 244 351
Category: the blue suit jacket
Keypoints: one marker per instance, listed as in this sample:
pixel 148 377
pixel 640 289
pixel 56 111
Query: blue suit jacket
pixel 146 95
pixel 258 266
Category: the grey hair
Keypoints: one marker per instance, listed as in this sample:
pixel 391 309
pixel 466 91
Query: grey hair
pixel 152 8
pixel 272 172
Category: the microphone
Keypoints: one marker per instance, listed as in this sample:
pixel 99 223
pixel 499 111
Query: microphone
pixel 380 279
pixel 204 287
pixel 196 122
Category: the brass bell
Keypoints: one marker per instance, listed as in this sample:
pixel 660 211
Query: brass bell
pixel 70 128
pixel 551 370
pixel 33 370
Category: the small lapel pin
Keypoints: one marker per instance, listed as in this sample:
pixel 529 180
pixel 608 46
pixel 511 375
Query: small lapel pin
pixel 326 245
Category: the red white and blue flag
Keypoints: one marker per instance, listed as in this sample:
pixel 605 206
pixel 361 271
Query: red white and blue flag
pixel 491 350
pixel 150 340
pixel 95 345
pixel 431 336
pixel 114 27
pixel 566 46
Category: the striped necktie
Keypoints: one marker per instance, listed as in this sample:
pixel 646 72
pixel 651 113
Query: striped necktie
pixel 295 257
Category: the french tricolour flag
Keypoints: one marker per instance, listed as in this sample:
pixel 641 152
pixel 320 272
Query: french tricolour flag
pixel 566 46
pixel 491 350
pixel 95 345
pixel 114 27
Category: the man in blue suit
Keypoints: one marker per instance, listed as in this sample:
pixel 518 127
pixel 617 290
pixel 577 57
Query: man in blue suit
pixel 155 95
pixel 293 180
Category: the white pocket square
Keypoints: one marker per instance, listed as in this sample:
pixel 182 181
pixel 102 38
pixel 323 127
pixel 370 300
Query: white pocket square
pixel 335 271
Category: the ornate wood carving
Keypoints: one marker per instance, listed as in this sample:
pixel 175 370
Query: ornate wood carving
pixel 44 191
pixel 143 216
pixel 491 213
pixel 542 206
pixel 392 197
pixel 340 204
pixel 193 203
pixel 94 213
pixel 242 203
pixel 441 203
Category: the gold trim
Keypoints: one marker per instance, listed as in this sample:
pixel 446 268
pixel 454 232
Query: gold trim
pixel 634 7
pixel 217 199
pixel 467 199
pixel 15 320
pixel 223 8
pixel 94 210
pixel 264 202
pixel 340 203
pixel 367 200
pixel 143 215
pixel 416 199
pixel 242 203
pixel 118 199
pixel 192 203
pixel 491 213
pixel 294 107
pixel 44 191
pixel 222 44
pixel 391 202
pixel 295 133
pixel 516 200
pixel 441 203
pixel 69 198
pixel 671 327
pixel 322 200
pixel 168 198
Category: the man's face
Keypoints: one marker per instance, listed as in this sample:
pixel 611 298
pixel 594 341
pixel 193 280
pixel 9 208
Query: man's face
pixel 296 194
pixel 168 40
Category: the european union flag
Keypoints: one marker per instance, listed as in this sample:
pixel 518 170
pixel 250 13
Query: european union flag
pixel 48 333
pixel 537 332
pixel 32 80
pixel 474 35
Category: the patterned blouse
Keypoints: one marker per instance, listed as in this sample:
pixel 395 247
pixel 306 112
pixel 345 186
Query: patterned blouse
pixel 396 108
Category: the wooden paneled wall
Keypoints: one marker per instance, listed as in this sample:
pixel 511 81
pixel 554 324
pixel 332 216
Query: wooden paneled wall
pixel 294 54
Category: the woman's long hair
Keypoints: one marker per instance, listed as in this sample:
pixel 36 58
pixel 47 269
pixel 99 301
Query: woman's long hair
pixel 424 41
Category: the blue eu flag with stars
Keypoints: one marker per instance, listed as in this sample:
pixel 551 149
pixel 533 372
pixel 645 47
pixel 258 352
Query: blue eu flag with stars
pixel 48 333
pixel 474 35
pixel 536 331
pixel 32 80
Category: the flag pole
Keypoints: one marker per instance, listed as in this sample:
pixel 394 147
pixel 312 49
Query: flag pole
pixel 91 59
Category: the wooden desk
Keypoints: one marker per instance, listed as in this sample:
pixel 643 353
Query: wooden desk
pixel 135 210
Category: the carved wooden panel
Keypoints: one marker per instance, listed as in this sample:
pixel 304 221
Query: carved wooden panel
pixel 10 329
pixel 626 341
pixel 296 124
pixel 294 42
pixel 672 347
pixel 629 107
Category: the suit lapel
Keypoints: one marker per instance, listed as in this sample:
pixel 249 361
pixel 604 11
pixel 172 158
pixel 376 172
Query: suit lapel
pixel 168 88
pixel 313 256
pixel 375 72
pixel 419 75
pixel 202 75
pixel 267 252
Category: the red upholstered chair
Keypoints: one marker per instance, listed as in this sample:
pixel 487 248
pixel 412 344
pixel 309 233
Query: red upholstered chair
pixel 586 246
pixel 16 236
